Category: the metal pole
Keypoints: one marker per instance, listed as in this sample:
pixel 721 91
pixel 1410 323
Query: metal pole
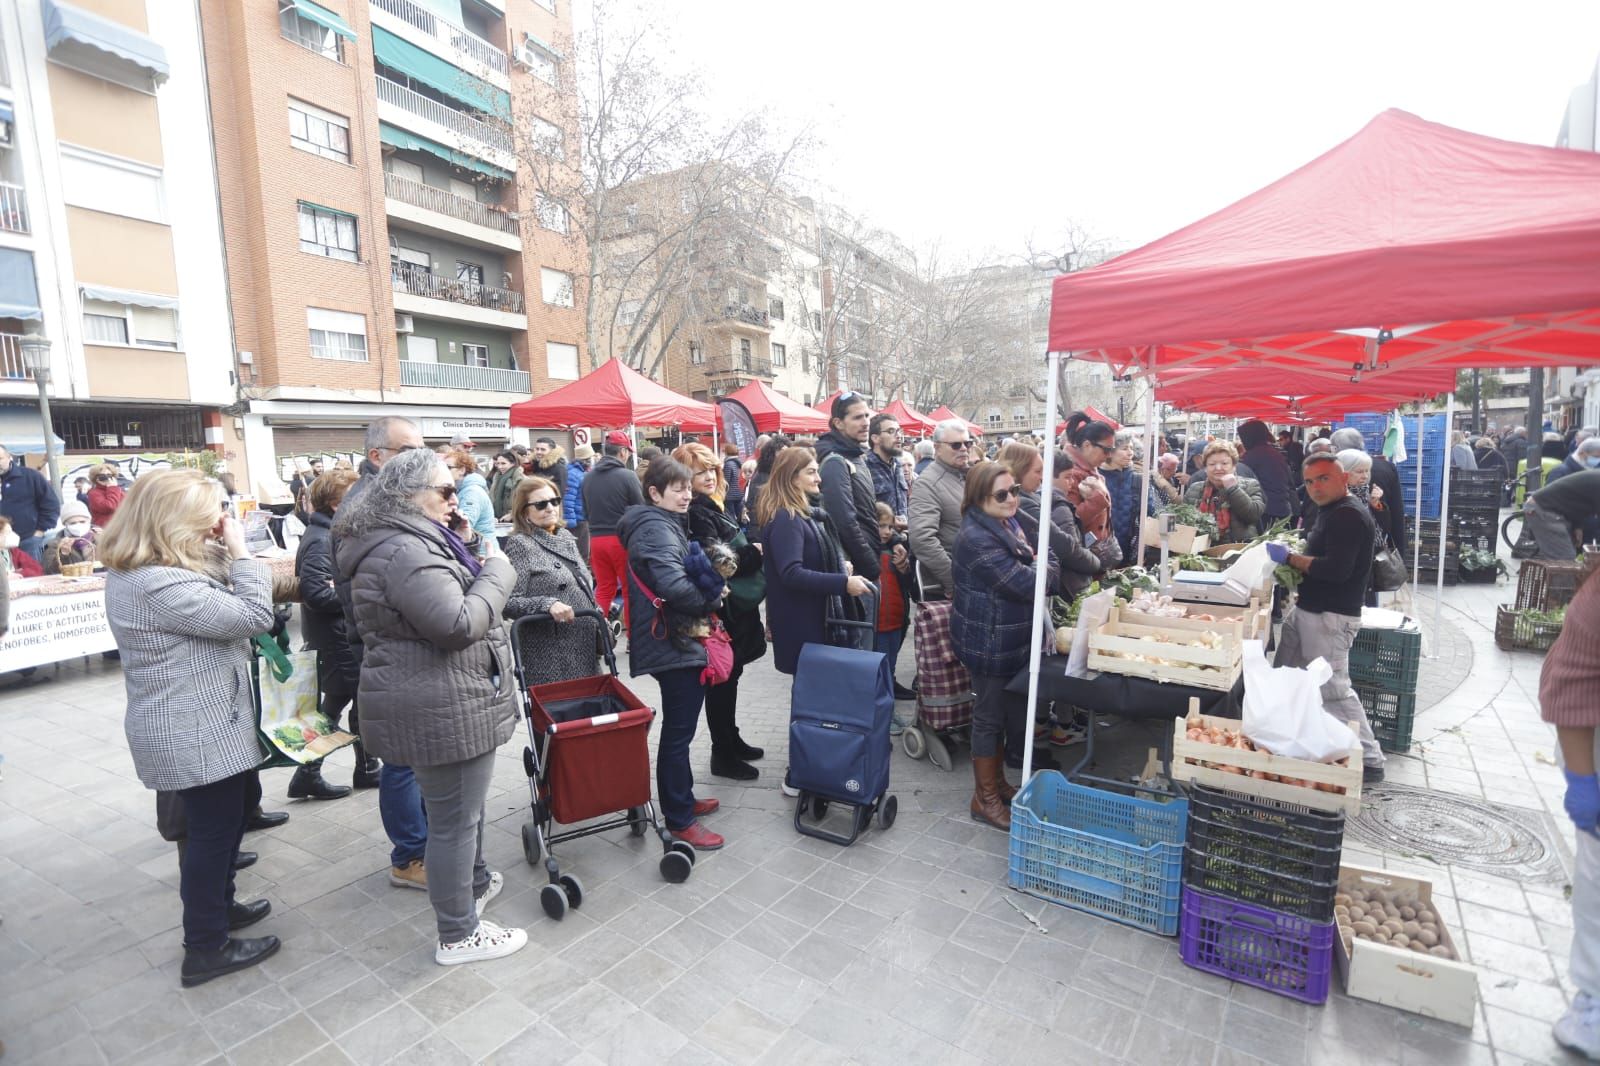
pixel 1041 569
pixel 1444 512
pixel 1416 519
pixel 42 379
pixel 1149 453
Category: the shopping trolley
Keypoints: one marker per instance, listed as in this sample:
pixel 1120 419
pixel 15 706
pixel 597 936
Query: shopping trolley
pixel 588 757
pixel 944 687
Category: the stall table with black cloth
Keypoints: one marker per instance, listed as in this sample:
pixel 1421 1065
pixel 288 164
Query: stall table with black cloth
pixel 1125 696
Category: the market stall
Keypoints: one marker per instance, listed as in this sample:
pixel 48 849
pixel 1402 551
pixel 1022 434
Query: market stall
pixel 773 412
pixel 942 413
pixel 614 395
pixel 913 423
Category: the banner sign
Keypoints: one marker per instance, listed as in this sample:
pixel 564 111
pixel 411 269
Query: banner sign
pixel 48 629
pixel 738 426
pixel 494 428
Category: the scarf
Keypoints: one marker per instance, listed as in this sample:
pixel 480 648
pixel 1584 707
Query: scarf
pixel 1214 503
pixel 840 606
pixel 459 549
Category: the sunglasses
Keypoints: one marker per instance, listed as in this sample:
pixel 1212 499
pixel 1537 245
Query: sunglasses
pixel 445 491
pixel 105 478
pixel 403 448
pixel 543 505
pixel 1008 494
pixel 958 445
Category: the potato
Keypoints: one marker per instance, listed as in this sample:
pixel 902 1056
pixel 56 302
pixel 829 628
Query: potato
pixel 1419 947
pixel 1341 899
pixel 1442 951
pixel 1400 940
pixel 1412 929
pixel 1357 911
pixel 1394 926
pixel 1407 912
pixel 1382 935
pixel 1364 928
pixel 1428 938
pixel 1425 916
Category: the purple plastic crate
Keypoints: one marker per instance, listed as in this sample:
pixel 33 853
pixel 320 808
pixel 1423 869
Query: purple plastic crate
pixel 1278 952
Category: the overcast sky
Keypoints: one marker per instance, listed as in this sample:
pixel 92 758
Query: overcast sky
pixel 982 123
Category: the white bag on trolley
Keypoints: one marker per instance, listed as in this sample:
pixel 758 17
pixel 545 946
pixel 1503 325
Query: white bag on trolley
pixel 1283 710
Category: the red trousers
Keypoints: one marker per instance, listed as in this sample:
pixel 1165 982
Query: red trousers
pixel 609 561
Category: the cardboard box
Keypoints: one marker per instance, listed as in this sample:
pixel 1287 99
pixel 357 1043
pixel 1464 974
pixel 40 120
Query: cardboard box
pixel 1423 984
pixel 1183 540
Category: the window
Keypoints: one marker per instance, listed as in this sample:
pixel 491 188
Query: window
pixel 744 354
pixel 561 360
pixel 403 168
pixel 547 139
pixel 816 321
pixel 475 354
pixel 552 214
pixel 697 353
pixel 628 312
pixel 994 418
pixel 111 184
pixel 412 260
pixel 327 232
pixel 630 217
pixel 548 5
pixel 105 322
pixel 780 355
pixel 464 189
pixel 469 273
pixel 556 286
pixel 337 335
pixel 320 132
pixel 811 278
pixel 307 34
pixel 805 365
pixel 775 309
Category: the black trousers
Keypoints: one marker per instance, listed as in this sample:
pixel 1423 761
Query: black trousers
pixel 173 824
pixel 216 815
pixel 721 702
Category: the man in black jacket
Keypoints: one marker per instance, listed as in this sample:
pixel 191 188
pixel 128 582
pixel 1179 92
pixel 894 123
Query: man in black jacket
pixel 30 501
pixel 607 491
pixel 1269 467
pixel 1337 565
pixel 847 493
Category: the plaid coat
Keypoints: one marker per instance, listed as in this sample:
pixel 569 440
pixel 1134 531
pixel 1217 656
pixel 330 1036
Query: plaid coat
pixel 992 621
pixel 186 667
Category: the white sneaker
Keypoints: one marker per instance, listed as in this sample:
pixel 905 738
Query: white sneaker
pixel 488 941
pixel 496 883
pixel 1579 1028
pixel 788 789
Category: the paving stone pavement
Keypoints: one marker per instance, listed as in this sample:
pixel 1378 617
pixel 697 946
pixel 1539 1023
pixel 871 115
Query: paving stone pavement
pixel 906 947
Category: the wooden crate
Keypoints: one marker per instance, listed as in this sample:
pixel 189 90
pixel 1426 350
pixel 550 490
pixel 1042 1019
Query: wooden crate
pixel 1183 540
pixel 1141 634
pixel 1256 617
pixel 1187 755
pixel 1422 984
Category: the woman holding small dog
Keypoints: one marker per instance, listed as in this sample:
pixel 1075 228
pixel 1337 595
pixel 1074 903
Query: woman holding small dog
pixel 718 532
pixel 668 610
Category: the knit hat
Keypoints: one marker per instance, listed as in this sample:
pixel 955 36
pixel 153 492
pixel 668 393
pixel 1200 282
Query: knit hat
pixel 583 453
pixel 73 509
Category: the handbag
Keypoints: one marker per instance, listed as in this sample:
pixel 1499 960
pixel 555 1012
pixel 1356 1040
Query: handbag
pixel 290 726
pixel 717 643
pixel 746 591
pixel 1388 569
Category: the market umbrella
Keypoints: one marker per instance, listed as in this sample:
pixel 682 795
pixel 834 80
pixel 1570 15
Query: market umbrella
pixel 614 395
pixel 773 412
pixel 912 422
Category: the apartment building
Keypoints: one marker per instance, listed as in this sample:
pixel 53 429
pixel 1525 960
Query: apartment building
pixel 387 250
pixel 110 245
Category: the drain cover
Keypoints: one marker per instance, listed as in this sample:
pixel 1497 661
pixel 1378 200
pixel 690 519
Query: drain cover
pixel 1455 830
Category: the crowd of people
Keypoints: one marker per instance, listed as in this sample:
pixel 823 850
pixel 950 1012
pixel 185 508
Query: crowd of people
pixel 414 567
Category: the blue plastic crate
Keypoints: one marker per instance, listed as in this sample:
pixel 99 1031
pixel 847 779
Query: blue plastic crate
pixel 1120 857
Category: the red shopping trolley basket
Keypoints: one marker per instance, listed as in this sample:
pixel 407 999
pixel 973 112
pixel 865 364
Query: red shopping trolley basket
pixel 598 757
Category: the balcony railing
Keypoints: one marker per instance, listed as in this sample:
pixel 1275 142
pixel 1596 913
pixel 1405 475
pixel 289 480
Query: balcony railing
pixel 729 366
pixel 13 209
pixel 457 376
pixel 492 134
pixel 447 203
pixel 746 313
pixel 419 282
pixel 12 367
pixel 446 32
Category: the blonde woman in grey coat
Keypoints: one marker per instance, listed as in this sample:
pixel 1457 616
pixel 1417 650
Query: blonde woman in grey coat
pixel 551 578
pixel 436 676
pixel 183 599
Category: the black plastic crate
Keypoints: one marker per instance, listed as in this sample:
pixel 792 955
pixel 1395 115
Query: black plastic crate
pixel 1475 485
pixel 1391 714
pixel 1279 856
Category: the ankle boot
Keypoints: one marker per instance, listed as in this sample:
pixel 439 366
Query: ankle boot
pixel 368 768
pixel 986 806
pixel 308 783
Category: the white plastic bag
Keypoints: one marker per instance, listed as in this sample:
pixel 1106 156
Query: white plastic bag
pixel 1283 709
pixel 1091 616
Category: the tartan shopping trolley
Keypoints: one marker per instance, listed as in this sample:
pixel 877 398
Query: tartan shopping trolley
pixel 587 758
pixel 944 687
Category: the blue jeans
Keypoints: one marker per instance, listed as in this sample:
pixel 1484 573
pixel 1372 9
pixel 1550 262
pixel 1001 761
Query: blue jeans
pixel 405 818
pixel 681 697
pixel 888 644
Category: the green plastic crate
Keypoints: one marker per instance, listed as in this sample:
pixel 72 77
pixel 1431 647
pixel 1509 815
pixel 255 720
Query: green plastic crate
pixel 1392 715
pixel 1387 659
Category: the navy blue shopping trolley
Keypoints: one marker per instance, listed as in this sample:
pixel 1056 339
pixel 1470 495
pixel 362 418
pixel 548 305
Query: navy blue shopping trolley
pixel 840 708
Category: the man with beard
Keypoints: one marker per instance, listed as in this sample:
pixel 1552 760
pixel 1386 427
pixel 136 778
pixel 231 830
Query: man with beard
pixel 884 462
pixel 847 494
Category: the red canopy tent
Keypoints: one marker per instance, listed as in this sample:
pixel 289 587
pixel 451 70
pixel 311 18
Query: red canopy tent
pixel 942 413
pixel 825 405
pixel 1095 413
pixel 912 421
pixel 614 395
pixel 774 412
pixel 1470 251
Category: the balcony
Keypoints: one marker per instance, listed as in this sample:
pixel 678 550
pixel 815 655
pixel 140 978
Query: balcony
pixel 418 282
pixel 13 209
pixel 12 367
pixel 746 314
pixel 444 202
pixel 457 376
pixel 446 33
pixel 738 366
pixel 492 135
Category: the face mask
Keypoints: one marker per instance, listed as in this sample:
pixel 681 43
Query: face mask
pixel 1592 461
pixel 77 529
pixel 10 540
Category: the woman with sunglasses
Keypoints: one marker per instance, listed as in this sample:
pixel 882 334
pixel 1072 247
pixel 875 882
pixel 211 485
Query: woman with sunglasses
pixel 1091 443
pixel 472 498
pixel 105 495
pixel 436 677
pixel 991 624
pixel 552 579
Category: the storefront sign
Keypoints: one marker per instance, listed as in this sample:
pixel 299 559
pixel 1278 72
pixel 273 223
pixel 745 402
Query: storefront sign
pixel 496 428
pixel 47 629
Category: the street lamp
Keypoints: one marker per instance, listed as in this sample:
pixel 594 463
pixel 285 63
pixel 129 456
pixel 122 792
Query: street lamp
pixel 36 357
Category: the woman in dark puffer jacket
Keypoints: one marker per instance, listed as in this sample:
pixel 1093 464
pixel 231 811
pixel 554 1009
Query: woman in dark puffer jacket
pixel 664 602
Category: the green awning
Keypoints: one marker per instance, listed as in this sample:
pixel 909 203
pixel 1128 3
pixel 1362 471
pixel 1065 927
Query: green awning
pixel 321 16
pixel 400 138
pixel 429 69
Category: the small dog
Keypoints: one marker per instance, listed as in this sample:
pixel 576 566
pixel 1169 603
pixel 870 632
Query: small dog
pixel 709 571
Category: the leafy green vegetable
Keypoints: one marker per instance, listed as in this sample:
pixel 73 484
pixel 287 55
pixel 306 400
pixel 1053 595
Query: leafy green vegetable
pixel 1479 559
pixel 1185 513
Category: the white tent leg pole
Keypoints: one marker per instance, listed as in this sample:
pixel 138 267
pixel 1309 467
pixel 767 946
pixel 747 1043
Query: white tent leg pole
pixel 1149 454
pixel 633 442
pixel 1416 519
pixel 1444 510
pixel 1041 567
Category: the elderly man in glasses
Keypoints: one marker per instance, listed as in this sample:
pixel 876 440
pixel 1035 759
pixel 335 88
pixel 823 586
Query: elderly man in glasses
pixel 934 513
